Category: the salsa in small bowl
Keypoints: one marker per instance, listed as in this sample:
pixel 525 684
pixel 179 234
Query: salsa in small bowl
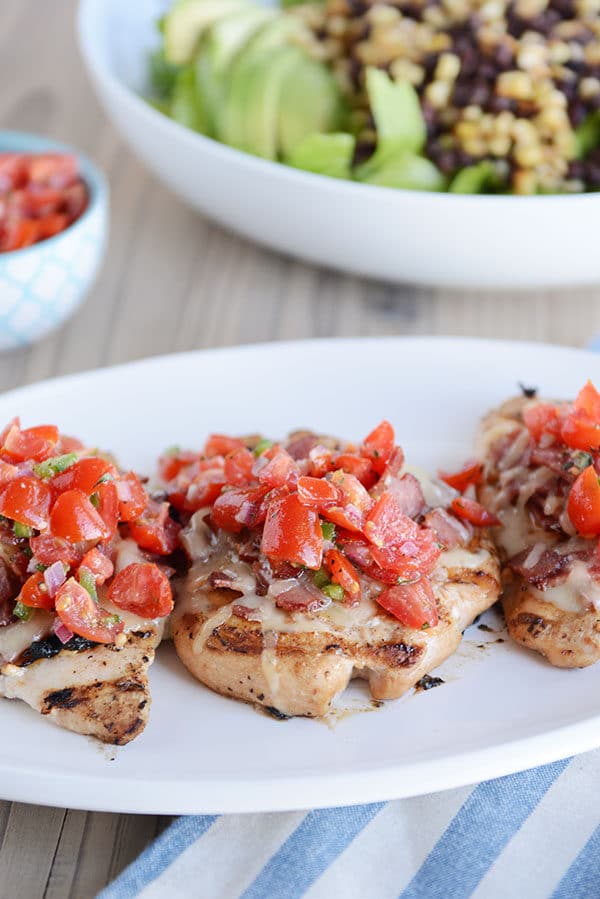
pixel 53 223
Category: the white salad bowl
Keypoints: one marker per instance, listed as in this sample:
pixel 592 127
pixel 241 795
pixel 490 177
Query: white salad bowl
pixel 396 235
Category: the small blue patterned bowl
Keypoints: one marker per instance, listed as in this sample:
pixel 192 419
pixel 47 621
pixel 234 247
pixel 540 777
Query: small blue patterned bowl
pixel 42 285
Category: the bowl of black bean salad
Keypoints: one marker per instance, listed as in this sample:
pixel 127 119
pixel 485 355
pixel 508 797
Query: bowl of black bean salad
pixel 440 142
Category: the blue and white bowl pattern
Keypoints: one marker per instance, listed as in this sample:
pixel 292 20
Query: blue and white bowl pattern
pixel 41 285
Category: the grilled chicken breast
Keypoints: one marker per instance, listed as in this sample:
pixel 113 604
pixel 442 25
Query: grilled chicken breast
pixel 94 689
pixel 551 576
pixel 295 663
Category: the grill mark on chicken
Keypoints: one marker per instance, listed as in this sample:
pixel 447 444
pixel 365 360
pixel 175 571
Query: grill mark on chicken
pixel 51 646
pixel 90 688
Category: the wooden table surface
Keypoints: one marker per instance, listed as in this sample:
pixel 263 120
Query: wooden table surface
pixel 173 281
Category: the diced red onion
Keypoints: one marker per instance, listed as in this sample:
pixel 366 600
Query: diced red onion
pixel 32 565
pixel 54 577
pixel 62 631
pixel 124 491
pixel 247 514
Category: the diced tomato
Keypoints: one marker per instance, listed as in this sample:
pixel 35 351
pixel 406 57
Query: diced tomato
pixel 386 523
pixel 155 531
pixel 74 518
pixel 343 572
pixel 70 444
pixel 467 476
pixel 20 233
pixel 108 507
pixel 55 169
pixel 220 445
pixel 354 504
pixel 100 565
pixel 171 463
pixel 7 472
pixel 320 461
pixel 132 496
pixel 410 557
pixel 361 467
pixel 279 469
pixel 52 224
pixel 13 171
pixel 588 401
pixel 75 199
pixel 13 423
pixel 470 510
pixel 292 533
pixel 542 418
pixel 379 445
pixel 83 475
pixel 35 201
pixel 26 500
pixel 204 489
pixel 35 444
pixel 48 550
pixel 142 588
pixel 238 466
pixel 583 504
pixel 83 616
pixel 413 605
pixel 581 432
pixel 239 508
pixel 34 593
pixel 317 492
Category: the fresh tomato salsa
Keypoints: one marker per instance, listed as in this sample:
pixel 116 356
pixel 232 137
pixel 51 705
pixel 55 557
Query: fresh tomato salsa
pixel 573 430
pixel 341 519
pixel 70 523
pixel 40 195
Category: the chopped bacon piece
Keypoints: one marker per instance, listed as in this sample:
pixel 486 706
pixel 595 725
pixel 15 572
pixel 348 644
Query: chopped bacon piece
pixel 538 566
pixel 300 445
pixel 246 612
pixel 219 580
pixel 449 530
pixel 299 599
pixel 408 494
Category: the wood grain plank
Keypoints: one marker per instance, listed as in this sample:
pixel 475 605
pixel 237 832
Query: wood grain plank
pixel 28 849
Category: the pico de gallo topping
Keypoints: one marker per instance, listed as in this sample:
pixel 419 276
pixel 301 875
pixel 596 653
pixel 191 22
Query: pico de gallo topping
pixel 550 466
pixel 40 195
pixel 65 514
pixel 333 520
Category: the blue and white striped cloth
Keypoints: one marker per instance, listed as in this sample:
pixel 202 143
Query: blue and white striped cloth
pixel 534 834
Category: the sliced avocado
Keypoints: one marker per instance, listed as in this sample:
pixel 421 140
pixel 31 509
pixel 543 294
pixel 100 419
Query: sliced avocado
pixel 324 154
pixel 230 127
pixel 186 105
pixel 185 23
pixel 481 178
pixel 162 74
pixel 399 122
pixel 408 172
pixel 587 135
pixel 263 97
pixel 310 103
pixel 218 48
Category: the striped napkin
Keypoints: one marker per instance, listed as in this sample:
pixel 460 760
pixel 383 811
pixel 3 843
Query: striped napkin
pixel 534 834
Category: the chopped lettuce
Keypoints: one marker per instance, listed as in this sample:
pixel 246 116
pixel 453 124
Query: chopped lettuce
pixel 407 172
pixel 325 154
pixel 483 177
pixel 399 122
